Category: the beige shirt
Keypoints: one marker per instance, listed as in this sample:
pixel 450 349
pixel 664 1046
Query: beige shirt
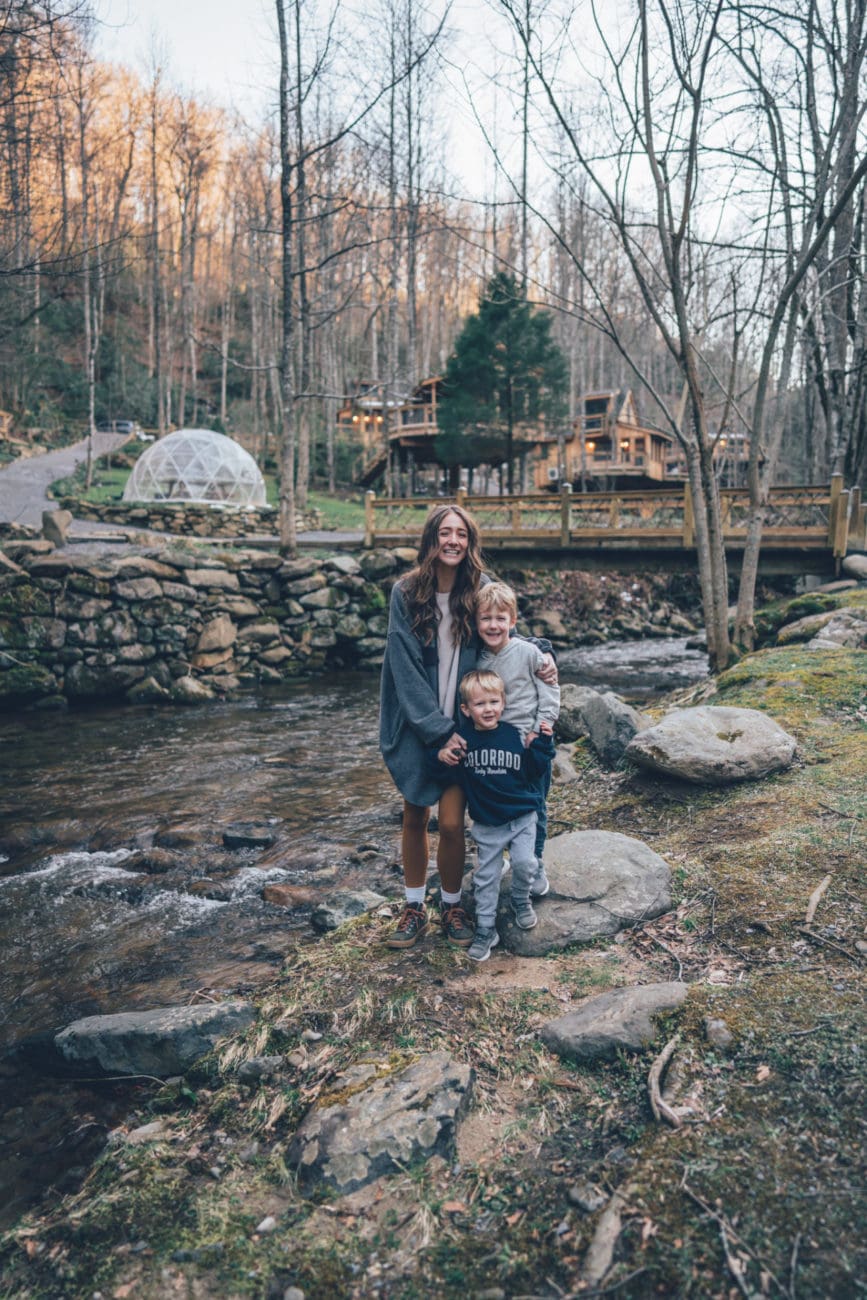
pixel 448 655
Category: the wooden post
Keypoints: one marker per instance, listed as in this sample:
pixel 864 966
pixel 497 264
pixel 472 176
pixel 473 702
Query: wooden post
pixel 369 499
pixel 859 541
pixel 614 512
pixel 565 512
pixel 461 496
pixel 688 518
pixel 856 536
pixel 833 502
pixel 841 529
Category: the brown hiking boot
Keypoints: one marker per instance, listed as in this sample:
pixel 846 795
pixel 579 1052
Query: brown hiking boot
pixel 457 928
pixel 410 928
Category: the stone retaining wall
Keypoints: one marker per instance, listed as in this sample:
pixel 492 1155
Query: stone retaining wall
pixel 187 518
pixel 184 623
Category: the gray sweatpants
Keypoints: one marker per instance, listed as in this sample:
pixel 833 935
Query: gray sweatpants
pixel 519 837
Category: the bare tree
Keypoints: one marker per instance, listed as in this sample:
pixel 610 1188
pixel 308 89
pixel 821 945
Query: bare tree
pixel 654 95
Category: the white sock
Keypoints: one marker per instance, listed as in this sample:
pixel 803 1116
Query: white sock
pixel 449 900
pixel 414 894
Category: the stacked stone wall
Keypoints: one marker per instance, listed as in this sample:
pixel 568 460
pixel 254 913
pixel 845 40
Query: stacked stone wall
pixel 183 624
pixel 186 518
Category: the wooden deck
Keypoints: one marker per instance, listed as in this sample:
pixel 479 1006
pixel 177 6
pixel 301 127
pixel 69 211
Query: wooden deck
pixel 808 529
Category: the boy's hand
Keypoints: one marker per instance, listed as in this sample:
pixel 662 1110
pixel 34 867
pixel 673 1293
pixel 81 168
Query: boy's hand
pixel 546 729
pixel 529 738
pixel 452 751
pixel 547 670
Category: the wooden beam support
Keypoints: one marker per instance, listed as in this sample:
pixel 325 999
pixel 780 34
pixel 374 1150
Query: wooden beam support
pixel 565 512
pixel 369 525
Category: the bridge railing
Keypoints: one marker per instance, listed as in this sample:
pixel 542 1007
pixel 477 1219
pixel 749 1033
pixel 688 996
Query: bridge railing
pixel 817 515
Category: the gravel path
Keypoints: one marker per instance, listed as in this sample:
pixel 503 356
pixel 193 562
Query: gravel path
pixel 23 484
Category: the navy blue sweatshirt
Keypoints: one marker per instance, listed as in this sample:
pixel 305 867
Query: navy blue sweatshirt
pixel 497 770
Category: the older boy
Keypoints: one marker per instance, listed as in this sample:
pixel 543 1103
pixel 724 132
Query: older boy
pixel 499 775
pixel 530 703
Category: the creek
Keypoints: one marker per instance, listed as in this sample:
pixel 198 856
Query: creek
pixel 87 793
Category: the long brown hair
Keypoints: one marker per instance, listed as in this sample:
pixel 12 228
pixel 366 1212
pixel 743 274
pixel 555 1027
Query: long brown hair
pixel 420 584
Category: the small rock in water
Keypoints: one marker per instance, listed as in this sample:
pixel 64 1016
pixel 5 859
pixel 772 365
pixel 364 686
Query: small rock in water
pixel 247 835
pixel 268 1224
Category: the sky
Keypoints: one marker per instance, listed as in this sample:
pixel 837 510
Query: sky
pixel 225 52
pixel 222 49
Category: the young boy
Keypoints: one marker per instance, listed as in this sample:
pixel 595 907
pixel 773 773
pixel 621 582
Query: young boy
pixel 499 775
pixel 529 702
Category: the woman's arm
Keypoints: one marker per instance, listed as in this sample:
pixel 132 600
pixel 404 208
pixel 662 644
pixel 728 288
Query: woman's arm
pixel 405 665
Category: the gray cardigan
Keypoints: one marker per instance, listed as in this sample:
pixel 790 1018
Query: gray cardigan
pixel 410 718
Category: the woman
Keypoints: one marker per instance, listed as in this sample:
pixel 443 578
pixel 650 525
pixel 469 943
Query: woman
pixel 431 644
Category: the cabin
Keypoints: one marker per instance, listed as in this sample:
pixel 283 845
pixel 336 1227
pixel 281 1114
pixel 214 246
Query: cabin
pixel 606 448
pixel 731 458
pixel 410 416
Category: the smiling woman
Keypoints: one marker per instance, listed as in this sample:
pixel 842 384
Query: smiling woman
pixel 431 644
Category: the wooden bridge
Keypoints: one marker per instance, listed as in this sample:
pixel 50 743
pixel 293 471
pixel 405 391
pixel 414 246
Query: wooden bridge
pixel 807 529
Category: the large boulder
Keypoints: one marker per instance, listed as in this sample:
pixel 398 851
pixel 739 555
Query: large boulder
pixel 855 566
pixel 570 724
pixel 611 723
pixel 621 1019
pixel 601 882
pixel 714 745
pixel 161 1042
pixel 383 1127
pixel 845 629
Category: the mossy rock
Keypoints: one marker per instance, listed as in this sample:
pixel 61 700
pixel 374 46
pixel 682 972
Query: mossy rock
pixel 373 600
pixel 25 682
pixel 769 620
pixel 25 598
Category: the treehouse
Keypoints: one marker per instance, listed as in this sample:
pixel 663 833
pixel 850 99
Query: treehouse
pixel 606 447
pixel 411 422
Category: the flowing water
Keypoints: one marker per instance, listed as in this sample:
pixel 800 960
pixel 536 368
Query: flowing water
pixel 89 923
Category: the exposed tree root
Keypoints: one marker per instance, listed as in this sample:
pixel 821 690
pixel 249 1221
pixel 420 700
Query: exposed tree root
pixel 660 1107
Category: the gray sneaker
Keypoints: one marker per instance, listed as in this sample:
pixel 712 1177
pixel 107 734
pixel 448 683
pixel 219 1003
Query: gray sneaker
pixel 483 942
pixel 540 884
pixel 525 917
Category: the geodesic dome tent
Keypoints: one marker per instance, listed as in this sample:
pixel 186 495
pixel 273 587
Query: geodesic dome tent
pixel 196 465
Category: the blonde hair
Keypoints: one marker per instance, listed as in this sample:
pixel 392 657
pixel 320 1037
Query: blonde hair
pixel 484 680
pixel 497 595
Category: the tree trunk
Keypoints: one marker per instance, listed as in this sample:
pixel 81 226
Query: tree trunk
pixel 288 534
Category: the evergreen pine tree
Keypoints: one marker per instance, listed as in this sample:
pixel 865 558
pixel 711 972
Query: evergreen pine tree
pixel 506 372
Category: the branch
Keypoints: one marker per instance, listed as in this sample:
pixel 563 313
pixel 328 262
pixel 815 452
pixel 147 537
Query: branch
pixel 815 899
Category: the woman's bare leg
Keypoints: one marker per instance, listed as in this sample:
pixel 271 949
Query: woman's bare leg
pixel 414 844
pixel 450 851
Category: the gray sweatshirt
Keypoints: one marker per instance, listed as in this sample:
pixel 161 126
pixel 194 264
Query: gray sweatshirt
pixel 528 700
